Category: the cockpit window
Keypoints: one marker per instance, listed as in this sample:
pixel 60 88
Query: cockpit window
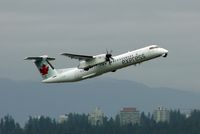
pixel 153 47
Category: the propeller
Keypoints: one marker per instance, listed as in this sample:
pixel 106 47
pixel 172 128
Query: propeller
pixel 109 56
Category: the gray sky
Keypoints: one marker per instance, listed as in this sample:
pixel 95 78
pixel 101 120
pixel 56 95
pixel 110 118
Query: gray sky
pixel 37 27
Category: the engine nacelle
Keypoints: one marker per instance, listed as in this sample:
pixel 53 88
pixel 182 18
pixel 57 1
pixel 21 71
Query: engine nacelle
pixel 98 59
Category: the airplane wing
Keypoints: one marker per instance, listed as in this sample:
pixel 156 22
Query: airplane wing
pixel 79 57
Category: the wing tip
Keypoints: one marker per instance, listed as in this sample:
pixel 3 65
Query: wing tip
pixel 62 53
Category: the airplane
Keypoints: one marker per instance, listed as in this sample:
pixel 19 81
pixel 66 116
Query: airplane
pixel 92 66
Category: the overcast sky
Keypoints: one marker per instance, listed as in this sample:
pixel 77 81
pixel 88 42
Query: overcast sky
pixel 38 27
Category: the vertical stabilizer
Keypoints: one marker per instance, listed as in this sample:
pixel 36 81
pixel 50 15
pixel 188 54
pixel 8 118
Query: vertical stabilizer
pixel 44 66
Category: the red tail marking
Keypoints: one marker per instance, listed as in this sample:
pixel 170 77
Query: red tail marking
pixel 44 69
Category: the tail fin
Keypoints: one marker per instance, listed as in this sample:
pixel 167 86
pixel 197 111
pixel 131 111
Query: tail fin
pixel 44 66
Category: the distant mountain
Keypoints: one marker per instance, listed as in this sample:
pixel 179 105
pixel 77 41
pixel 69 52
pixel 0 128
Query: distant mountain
pixel 22 99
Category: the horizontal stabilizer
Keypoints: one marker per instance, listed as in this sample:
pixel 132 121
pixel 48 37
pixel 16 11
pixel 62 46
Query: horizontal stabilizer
pixel 44 57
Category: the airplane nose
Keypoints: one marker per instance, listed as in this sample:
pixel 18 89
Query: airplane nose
pixel 165 52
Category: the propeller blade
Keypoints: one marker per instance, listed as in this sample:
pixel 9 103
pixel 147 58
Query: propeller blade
pixel 107 51
pixel 109 56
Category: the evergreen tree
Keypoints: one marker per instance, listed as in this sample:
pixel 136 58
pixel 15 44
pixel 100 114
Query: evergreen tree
pixel 78 124
pixel 8 126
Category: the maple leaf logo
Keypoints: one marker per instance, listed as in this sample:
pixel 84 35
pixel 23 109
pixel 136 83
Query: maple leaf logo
pixel 44 69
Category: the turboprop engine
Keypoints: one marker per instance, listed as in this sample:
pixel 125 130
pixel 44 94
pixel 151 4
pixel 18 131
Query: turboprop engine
pixel 98 59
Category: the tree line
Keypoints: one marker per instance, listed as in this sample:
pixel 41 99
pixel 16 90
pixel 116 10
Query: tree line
pixel 78 124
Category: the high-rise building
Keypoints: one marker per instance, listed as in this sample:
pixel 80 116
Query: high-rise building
pixel 63 118
pixel 129 115
pixel 96 117
pixel 161 114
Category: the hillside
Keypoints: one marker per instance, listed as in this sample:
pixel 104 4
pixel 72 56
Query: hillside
pixel 21 99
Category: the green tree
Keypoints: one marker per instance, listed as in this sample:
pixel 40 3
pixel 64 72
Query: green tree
pixel 8 126
pixel 42 125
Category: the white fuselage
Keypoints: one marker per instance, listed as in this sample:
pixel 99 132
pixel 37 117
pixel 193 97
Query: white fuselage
pixel 118 62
